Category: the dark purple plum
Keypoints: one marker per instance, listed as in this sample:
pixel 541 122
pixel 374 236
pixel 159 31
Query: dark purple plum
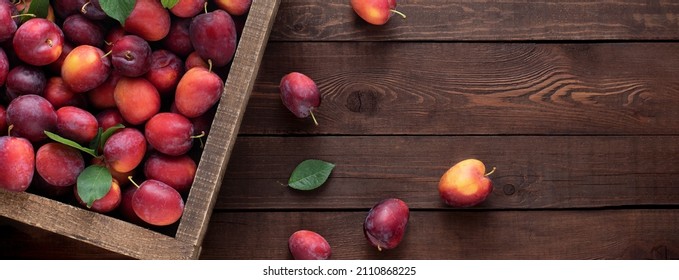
pixel 300 95
pixel 131 56
pixel 386 223
pixel 80 30
pixel 213 36
pixel 25 79
pixel 31 115
pixel 178 40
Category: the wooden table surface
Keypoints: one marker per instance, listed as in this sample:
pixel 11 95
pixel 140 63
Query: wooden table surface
pixel 576 103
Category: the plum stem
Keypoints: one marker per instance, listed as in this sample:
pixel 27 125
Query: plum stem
pixel 202 133
pixel 491 172
pixel 379 248
pixel 205 7
pixel 23 15
pixel 311 112
pixel 49 42
pixel 133 182
pixel 83 9
pixel 200 138
pixel 9 129
pixel 106 54
pixel 398 13
pixel 209 63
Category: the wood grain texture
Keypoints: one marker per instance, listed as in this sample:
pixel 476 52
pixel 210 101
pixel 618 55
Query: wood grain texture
pixel 533 172
pixel 479 20
pixel 476 235
pixel 473 88
pixel 607 234
pixel 218 147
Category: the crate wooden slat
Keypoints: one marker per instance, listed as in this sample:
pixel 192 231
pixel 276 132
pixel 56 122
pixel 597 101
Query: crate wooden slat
pixel 138 242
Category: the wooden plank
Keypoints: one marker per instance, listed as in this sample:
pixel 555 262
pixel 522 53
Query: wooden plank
pixel 533 172
pixel 479 20
pixel 19 242
pixel 234 99
pixel 603 234
pixel 86 226
pixel 473 88
pixel 606 234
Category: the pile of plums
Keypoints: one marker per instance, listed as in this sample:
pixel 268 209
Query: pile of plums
pixel 145 89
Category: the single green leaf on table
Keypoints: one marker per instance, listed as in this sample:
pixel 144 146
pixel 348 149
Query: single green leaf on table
pixel 94 183
pixel 39 8
pixel 169 3
pixel 310 174
pixel 118 9
pixel 70 143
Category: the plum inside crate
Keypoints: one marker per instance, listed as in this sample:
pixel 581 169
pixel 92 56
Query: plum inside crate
pixel 185 243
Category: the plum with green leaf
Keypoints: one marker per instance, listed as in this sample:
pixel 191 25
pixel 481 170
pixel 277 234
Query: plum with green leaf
pixel 59 165
pixel 125 149
pixel 76 124
pixel 149 20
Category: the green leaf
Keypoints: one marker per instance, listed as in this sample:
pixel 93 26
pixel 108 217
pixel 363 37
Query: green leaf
pixel 39 8
pixel 109 131
pixel 310 174
pixel 169 3
pixel 118 9
pixel 94 144
pixel 94 183
pixel 70 143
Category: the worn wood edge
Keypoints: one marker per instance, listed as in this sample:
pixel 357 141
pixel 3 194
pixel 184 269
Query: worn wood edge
pixel 93 228
pixel 227 120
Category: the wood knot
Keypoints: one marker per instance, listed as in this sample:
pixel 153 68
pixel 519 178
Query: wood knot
pixel 509 189
pixel 362 101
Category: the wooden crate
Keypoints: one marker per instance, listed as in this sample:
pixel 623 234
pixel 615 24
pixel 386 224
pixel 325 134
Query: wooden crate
pixel 137 242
